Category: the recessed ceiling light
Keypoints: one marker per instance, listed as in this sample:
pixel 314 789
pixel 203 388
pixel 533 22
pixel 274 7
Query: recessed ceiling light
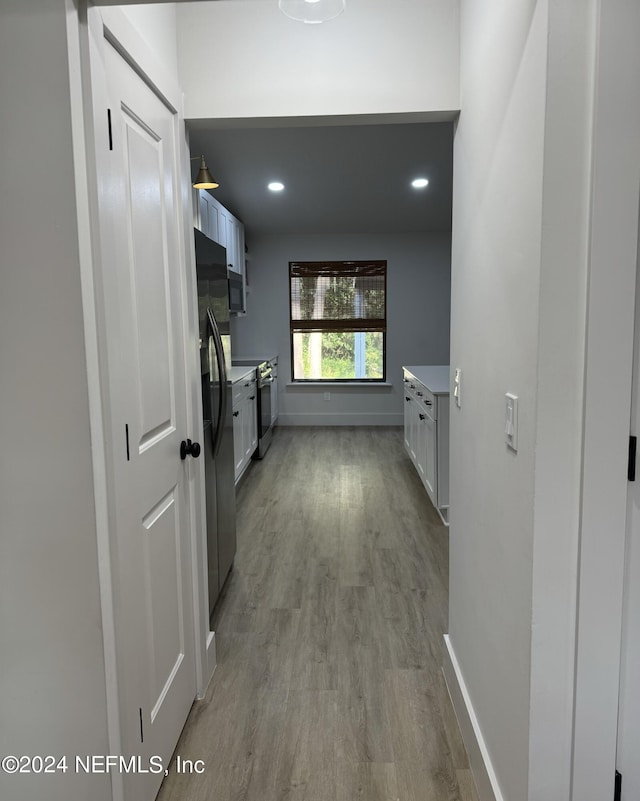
pixel 275 186
pixel 420 183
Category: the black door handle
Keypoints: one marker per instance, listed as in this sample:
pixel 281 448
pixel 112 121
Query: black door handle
pixel 188 448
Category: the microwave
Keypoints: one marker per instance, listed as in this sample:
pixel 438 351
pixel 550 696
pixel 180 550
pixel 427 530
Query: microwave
pixel 236 292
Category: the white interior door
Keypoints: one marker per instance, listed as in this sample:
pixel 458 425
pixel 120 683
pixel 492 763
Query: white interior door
pixel 628 750
pixel 143 307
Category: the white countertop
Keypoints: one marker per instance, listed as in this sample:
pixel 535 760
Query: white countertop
pixel 436 378
pixel 238 373
pixel 254 359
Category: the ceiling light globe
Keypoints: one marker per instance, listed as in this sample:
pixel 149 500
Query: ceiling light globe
pixel 312 11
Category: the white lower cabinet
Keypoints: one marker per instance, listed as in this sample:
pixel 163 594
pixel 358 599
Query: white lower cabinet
pixel 245 422
pixel 426 430
pixel 274 392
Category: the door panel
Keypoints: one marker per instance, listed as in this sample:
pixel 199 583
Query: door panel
pixel 149 280
pixel 162 567
pixel 628 745
pixel 143 311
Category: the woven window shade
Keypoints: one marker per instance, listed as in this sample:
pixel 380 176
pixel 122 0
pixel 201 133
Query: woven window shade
pixel 338 296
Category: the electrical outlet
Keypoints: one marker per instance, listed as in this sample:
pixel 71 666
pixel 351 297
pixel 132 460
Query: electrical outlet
pixel 327 396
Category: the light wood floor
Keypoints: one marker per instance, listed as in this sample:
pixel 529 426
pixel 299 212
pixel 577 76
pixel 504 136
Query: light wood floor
pixel 329 635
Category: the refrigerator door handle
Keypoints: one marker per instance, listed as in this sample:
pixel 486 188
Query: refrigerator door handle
pixel 222 373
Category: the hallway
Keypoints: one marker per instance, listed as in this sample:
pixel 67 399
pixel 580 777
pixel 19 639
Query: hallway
pixel 329 635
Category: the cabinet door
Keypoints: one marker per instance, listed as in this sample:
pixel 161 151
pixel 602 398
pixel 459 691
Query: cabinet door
pixel 407 421
pixel 238 232
pixel 223 216
pixel 421 448
pixel 203 207
pixel 251 424
pixel 414 429
pixel 238 444
pixel 231 243
pixel 274 397
pixel 430 460
pixel 195 208
pixel 214 225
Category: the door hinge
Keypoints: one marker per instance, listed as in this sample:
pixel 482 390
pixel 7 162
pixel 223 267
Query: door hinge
pixel 631 469
pixel 617 792
pixel 110 131
pixel 141 727
pixel 126 433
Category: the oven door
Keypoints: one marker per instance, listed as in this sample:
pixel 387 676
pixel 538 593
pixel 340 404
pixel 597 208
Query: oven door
pixel 264 414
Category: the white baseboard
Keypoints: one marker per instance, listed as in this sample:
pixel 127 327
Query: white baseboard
pixel 479 760
pixel 341 419
pixel 211 663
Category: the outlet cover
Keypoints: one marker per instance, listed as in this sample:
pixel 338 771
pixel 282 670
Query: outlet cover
pixel 511 421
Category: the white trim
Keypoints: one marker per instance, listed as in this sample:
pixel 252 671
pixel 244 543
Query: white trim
pixel 121 34
pixel 88 251
pixel 112 26
pixel 609 359
pixel 341 419
pixel 211 657
pixel 484 775
pixel 205 642
pixel 339 384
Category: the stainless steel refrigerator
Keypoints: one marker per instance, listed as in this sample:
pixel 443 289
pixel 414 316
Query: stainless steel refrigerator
pixel 215 361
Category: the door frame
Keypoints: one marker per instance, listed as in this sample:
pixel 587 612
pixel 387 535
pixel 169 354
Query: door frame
pixel 608 365
pixel 88 27
pixel 607 392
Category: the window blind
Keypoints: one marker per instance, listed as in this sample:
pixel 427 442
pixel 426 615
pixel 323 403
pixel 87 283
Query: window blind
pixel 344 296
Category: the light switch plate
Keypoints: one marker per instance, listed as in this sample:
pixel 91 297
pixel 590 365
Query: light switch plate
pixel 511 421
pixel 457 387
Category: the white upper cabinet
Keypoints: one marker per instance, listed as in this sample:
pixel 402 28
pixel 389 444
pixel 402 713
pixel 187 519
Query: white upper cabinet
pixel 216 222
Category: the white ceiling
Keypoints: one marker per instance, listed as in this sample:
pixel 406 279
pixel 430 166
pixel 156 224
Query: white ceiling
pixel 338 178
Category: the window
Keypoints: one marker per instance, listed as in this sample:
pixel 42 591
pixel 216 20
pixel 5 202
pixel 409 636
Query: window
pixel 338 320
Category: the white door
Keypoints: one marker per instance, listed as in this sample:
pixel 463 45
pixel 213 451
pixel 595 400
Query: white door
pixel 628 749
pixel 143 309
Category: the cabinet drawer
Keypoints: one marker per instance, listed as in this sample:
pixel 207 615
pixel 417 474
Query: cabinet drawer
pixel 410 387
pixel 428 401
pixel 241 389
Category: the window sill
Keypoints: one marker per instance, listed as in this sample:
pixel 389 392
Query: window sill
pixel 335 384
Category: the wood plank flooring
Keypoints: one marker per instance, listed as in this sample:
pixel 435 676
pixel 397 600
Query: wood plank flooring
pixel 329 635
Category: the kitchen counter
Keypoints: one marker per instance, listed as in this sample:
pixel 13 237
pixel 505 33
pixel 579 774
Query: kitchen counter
pixel 239 360
pixel 238 373
pixel 437 378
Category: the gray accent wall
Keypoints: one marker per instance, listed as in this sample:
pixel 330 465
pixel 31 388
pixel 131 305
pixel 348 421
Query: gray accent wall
pixel 418 313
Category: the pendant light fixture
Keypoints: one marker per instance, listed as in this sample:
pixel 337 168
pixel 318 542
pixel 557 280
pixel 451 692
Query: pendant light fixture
pixel 312 11
pixel 204 179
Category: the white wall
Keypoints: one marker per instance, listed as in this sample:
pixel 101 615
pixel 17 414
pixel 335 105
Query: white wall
pixel 418 300
pixel 497 218
pixel 157 25
pixel 52 680
pixel 522 172
pixel 378 57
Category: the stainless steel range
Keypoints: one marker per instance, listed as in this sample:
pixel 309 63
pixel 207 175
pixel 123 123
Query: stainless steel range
pixel 265 429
